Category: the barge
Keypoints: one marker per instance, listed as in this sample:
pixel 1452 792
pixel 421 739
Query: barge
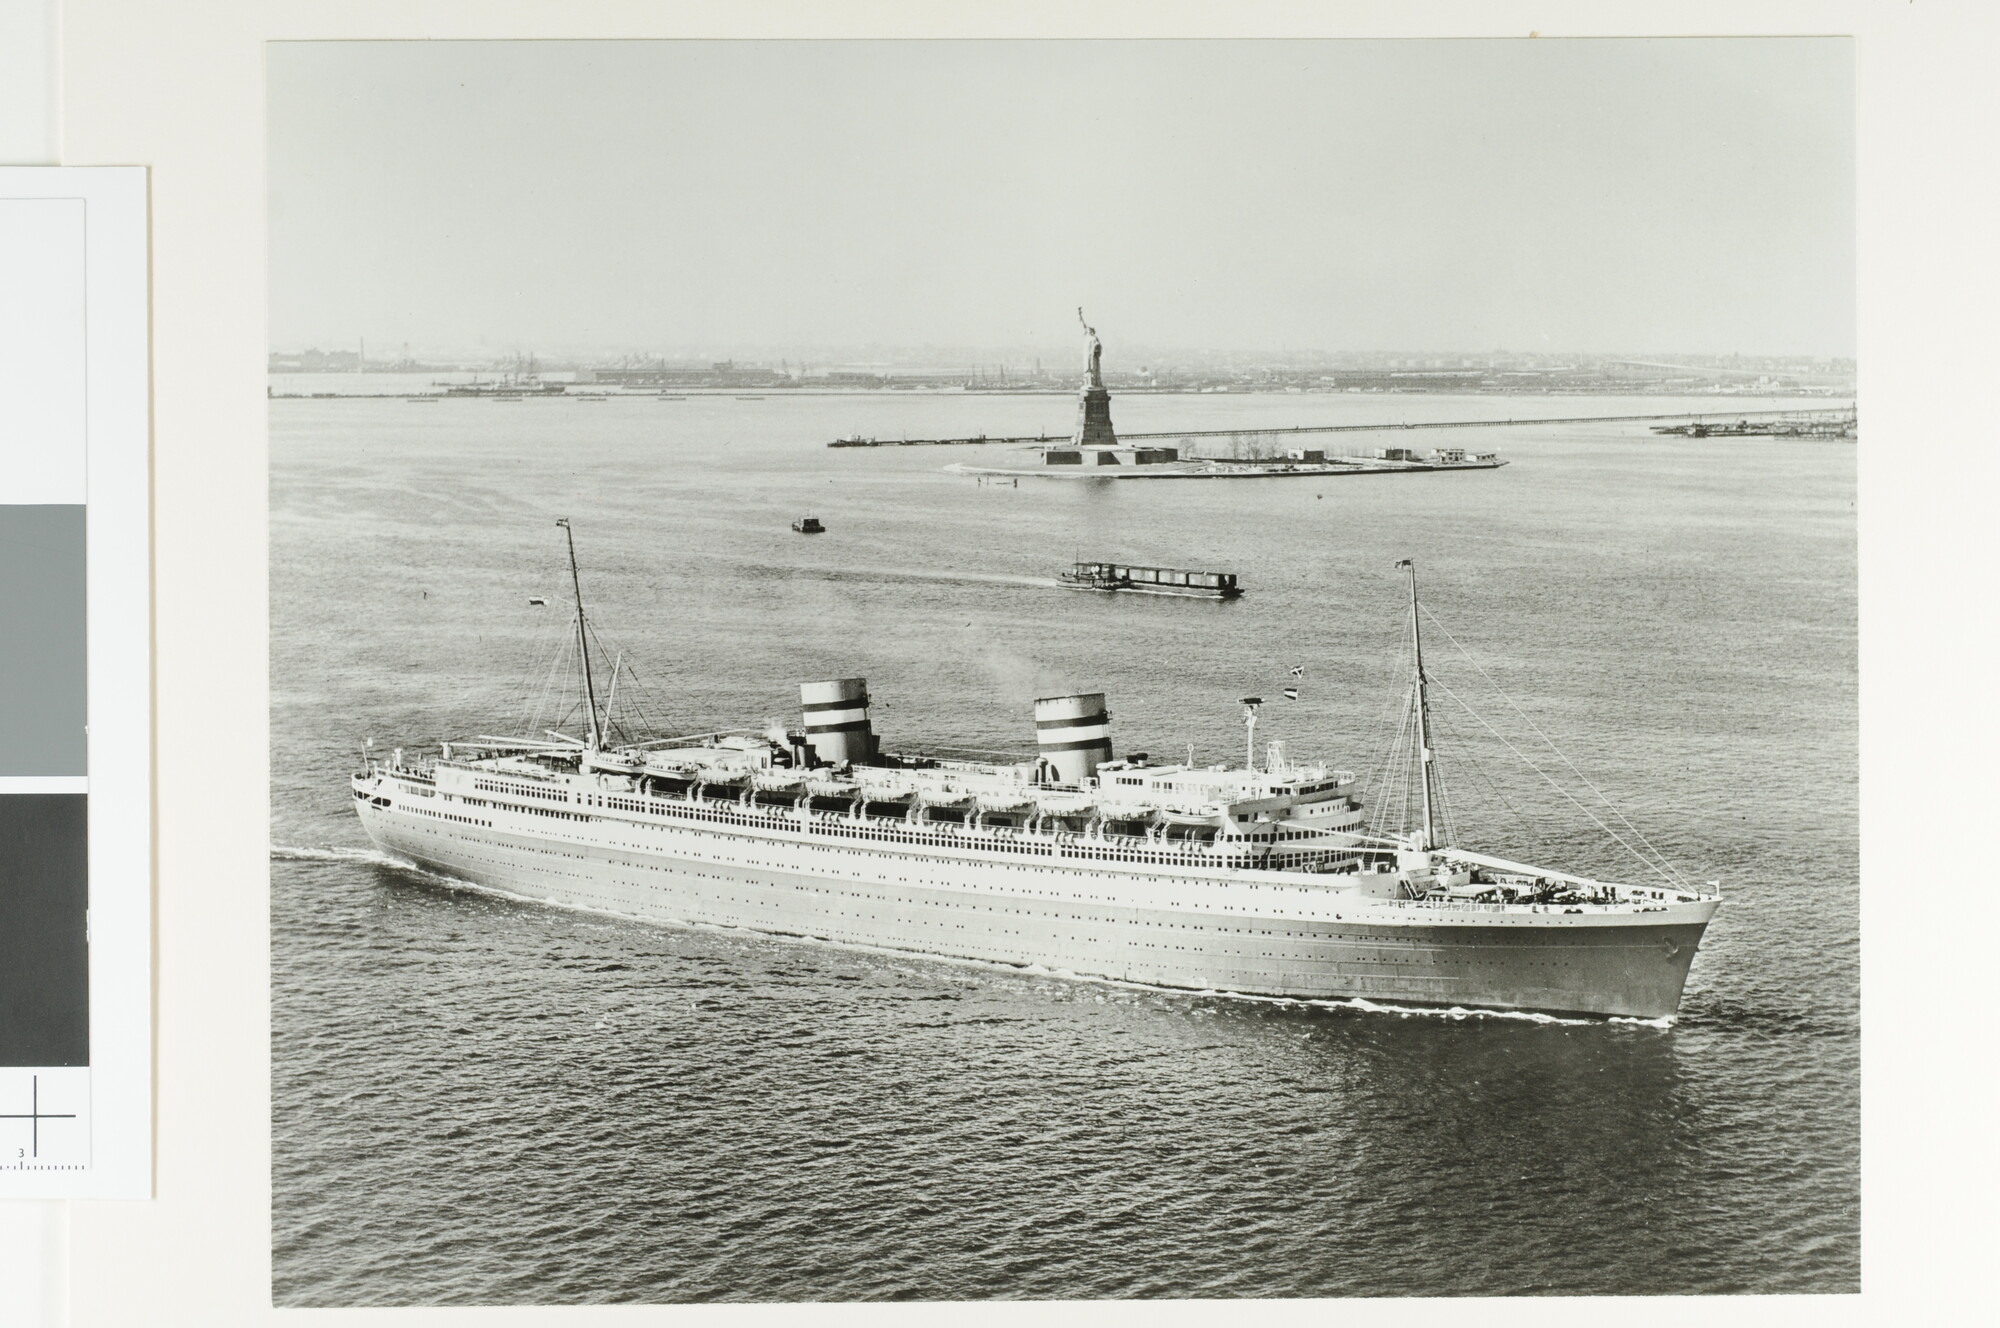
pixel 1113 577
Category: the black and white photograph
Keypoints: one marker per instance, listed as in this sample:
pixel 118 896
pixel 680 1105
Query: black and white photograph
pixel 1062 670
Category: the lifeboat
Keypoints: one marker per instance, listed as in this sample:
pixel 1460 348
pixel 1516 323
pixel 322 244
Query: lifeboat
pixel 1057 804
pixel 723 789
pixel 885 802
pixel 1005 802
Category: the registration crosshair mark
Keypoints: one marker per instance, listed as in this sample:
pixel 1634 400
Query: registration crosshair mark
pixel 35 1115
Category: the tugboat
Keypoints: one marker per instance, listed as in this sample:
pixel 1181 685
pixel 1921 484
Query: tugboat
pixel 808 525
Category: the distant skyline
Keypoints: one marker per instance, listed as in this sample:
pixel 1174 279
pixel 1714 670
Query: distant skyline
pixel 1683 196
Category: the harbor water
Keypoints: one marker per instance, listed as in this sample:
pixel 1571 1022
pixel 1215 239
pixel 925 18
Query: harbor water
pixel 478 1101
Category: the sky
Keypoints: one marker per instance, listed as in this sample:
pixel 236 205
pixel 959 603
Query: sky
pixel 1690 195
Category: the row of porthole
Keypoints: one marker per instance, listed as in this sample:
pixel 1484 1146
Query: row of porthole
pixel 733 818
pixel 1267 955
pixel 1071 917
pixel 449 816
pixel 768 866
pixel 1086 940
pixel 775 867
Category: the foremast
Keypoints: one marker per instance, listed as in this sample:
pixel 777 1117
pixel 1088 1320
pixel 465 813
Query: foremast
pixel 596 738
pixel 1421 699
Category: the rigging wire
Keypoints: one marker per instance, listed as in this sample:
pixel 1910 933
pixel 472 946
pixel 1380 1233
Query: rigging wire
pixel 552 692
pixel 1460 744
pixel 652 688
pixel 1447 821
pixel 635 699
pixel 1661 868
pixel 1393 785
pixel 1664 867
pixel 553 675
pixel 1383 783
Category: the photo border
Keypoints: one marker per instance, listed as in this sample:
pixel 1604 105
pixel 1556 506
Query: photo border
pixel 179 88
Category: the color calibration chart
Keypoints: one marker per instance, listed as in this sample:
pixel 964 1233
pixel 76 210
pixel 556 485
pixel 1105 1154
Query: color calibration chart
pixel 75 718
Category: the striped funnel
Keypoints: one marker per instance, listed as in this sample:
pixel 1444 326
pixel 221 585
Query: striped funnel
pixel 1073 735
pixel 837 720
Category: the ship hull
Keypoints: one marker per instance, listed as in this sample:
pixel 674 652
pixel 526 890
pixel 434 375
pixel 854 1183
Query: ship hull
pixel 1252 933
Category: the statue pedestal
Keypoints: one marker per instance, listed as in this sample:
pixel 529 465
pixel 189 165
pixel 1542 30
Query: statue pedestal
pixel 1093 418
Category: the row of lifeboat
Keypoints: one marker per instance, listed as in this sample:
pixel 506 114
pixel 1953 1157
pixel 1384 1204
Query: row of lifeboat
pixel 1052 811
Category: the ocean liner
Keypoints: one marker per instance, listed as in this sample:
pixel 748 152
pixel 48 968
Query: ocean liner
pixel 1260 880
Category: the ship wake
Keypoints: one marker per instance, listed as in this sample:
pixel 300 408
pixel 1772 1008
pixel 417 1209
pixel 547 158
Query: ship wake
pixel 366 857
pixel 1362 1005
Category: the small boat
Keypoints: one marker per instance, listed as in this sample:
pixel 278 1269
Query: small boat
pixel 808 525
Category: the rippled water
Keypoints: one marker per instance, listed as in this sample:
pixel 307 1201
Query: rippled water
pixel 478 1101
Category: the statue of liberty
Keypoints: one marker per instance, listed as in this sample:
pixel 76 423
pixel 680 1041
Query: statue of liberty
pixel 1093 404
pixel 1096 350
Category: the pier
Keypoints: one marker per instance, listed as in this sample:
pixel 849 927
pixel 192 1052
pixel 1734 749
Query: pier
pixel 1217 468
pixel 1798 424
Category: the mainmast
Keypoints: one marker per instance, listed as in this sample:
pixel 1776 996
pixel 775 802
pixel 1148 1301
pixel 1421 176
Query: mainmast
pixel 582 636
pixel 1250 704
pixel 1423 713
